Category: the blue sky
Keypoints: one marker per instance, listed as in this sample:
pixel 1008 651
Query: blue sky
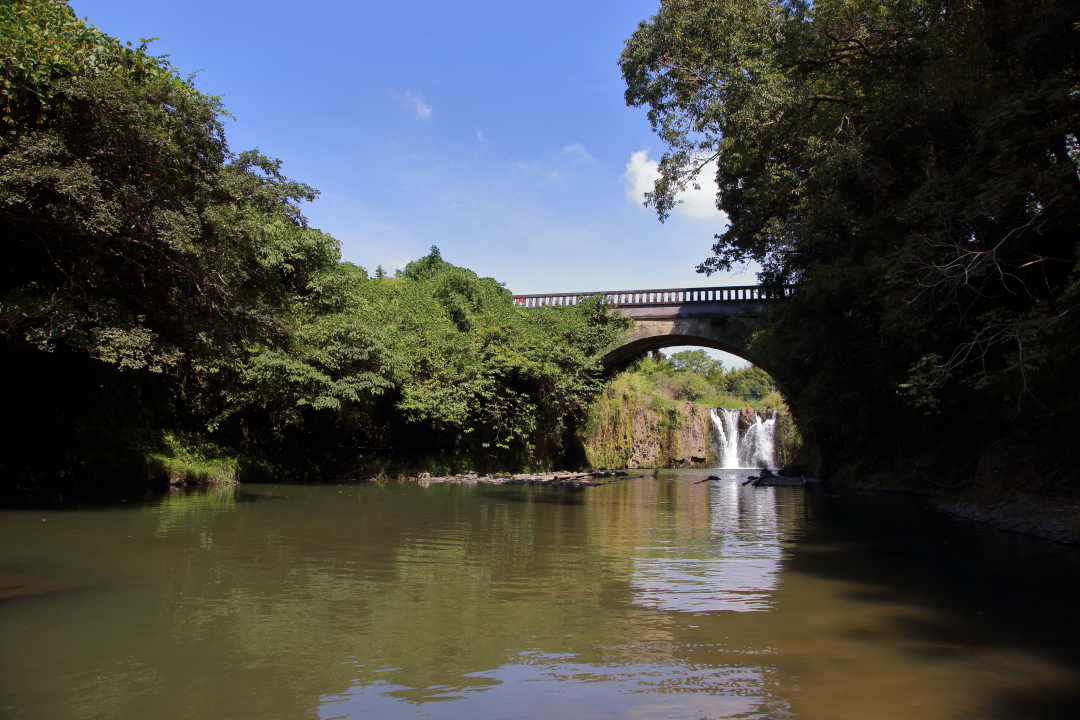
pixel 496 131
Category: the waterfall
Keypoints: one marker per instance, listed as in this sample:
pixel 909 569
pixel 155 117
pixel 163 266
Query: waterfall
pixel 756 446
pixel 726 436
pixel 755 449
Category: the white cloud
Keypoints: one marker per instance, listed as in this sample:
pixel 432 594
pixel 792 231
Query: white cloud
pixel 641 173
pixel 578 152
pixel 417 105
pixel 700 202
pixel 480 136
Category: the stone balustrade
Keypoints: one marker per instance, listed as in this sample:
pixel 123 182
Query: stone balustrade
pixel 669 296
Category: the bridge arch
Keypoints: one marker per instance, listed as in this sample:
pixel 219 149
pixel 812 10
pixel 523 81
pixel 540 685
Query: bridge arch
pixel 729 333
pixel 723 318
pixel 632 350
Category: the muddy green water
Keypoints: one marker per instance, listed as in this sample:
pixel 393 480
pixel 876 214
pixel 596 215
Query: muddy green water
pixel 653 598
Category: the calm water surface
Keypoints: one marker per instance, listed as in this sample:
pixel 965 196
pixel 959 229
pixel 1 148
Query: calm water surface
pixel 659 597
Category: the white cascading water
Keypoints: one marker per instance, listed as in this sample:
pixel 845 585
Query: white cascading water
pixel 726 436
pixel 755 449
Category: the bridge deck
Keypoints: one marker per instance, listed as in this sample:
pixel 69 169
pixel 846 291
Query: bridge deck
pixel 665 297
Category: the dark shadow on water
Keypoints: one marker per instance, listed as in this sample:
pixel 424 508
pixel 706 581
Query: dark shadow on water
pixel 75 498
pixel 246 497
pixel 1062 703
pixel 985 588
pixel 536 494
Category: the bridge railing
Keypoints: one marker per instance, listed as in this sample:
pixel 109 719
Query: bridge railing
pixel 670 296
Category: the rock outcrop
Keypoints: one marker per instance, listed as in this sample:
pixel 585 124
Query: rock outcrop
pixel 647 437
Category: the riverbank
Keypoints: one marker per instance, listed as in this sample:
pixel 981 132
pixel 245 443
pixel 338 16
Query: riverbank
pixel 1046 519
pixel 557 479
pixel 1054 519
pixel 1025 482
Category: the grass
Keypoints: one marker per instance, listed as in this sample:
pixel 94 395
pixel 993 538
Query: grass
pixel 182 460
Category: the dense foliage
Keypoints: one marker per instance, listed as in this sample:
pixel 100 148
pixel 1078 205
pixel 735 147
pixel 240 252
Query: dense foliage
pixel 694 376
pixel 912 167
pixel 436 369
pixel 164 297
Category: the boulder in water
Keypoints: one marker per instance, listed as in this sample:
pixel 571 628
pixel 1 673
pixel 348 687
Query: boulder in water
pixel 747 417
pixel 775 481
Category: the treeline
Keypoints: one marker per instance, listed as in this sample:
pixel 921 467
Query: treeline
pixel 166 310
pixel 691 375
pixel 912 168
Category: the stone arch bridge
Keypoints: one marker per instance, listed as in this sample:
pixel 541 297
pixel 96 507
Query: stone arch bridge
pixel 721 318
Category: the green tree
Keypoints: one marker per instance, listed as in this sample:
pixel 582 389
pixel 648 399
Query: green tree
pixel 749 383
pixel 912 167
pixel 142 257
pixel 696 361
pixel 435 369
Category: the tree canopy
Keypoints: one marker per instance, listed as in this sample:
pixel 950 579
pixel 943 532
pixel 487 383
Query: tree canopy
pixel 159 289
pixel 911 167
pixel 696 361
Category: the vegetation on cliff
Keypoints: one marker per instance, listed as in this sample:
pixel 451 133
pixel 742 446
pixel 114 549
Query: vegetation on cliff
pixel 656 412
pixel 912 168
pixel 166 310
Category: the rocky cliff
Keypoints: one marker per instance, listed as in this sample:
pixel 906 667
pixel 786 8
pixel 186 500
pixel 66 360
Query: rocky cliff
pixel 629 431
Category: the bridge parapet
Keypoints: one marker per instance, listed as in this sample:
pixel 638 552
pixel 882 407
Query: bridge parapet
pixel 665 297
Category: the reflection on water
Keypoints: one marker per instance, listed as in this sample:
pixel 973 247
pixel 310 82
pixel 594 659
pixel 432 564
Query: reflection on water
pixel 663 597
pixel 734 567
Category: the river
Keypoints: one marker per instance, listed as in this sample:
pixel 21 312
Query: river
pixel 660 597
